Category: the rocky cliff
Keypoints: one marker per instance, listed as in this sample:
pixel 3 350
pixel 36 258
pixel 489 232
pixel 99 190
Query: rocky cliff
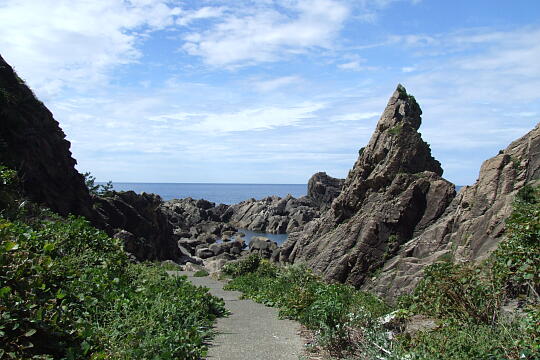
pixel 472 225
pixel 393 192
pixel 32 143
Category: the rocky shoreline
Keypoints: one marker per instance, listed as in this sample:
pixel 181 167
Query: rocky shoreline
pixel 377 229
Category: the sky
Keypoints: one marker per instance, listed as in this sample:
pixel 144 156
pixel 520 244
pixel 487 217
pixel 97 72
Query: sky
pixel 272 91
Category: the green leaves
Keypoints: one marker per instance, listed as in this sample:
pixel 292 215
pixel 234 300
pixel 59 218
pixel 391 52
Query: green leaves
pixel 30 332
pixel 332 311
pixel 10 245
pixel 68 291
pixel 5 291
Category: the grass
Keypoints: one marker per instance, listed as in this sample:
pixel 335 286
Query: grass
pixel 200 273
pixel 343 319
pixel 464 300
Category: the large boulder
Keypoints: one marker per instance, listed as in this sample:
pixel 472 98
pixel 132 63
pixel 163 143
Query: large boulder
pixel 393 192
pixel 323 189
pixel 152 236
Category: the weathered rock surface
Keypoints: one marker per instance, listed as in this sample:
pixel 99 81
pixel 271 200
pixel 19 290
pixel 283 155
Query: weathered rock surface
pixel 323 189
pixel 32 143
pixel 273 214
pixel 472 225
pixel 138 220
pixel 263 246
pixel 393 192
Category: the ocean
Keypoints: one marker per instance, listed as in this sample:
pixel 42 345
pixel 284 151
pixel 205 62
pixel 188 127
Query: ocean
pixel 217 193
pixel 220 194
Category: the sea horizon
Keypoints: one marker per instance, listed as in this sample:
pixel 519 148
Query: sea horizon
pixel 219 193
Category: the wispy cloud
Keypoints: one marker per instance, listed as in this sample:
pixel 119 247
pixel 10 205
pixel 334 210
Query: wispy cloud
pixel 262 34
pixel 59 43
pixel 273 84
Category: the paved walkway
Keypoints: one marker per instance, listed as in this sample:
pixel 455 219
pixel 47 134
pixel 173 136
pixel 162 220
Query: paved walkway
pixel 252 331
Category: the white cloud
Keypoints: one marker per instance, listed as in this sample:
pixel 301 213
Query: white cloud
pixel 408 69
pixel 273 84
pixel 244 120
pixel 262 34
pixel 206 12
pixel 59 43
pixel 356 65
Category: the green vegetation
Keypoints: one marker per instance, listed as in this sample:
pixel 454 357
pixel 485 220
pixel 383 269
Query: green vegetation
pixel 68 291
pixel 200 273
pixel 97 189
pixel 343 319
pixel 396 130
pixel 467 300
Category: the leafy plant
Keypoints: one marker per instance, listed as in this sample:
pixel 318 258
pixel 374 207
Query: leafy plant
pixel 201 273
pixel 344 319
pixel 97 189
pixel 69 291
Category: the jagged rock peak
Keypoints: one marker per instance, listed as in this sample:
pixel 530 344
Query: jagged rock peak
pixel 396 147
pixel 32 142
pixel 401 108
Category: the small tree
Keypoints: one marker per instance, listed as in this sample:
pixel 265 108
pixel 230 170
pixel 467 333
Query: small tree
pixel 97 189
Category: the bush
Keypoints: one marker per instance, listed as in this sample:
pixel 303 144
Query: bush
pixel 456 293
pixel 243 266
pixel 201 273
pixel 67 290
pixel 467 299
pixel 97 189
pixel 342 318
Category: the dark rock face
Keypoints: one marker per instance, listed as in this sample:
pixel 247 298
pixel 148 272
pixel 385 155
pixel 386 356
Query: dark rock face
pixel 473 225
pixel 32 143
pixel 323 189
pixel 393 192
pixel 273 214
pixel 139 221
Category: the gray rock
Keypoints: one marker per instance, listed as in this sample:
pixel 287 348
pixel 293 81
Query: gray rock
pixel 472 226
pixel 393 191
pixel 323 189
pixel 204 253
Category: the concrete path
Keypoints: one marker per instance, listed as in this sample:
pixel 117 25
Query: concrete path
pixel 252 331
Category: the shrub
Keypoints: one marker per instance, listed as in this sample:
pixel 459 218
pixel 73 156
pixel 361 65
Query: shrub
pixel 242 266
pixel 342 318
pixel 457 293
pixel 67 290
pixel 97 189
pixel 201 273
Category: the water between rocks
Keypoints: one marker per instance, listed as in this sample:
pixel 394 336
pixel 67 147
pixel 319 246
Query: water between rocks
pixel 278 238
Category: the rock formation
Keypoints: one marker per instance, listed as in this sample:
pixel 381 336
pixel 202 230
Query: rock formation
pixel 472 225
pixel 273 214
pixel 393 192
pixel 138 220
pixel 32 143
pixel 323 189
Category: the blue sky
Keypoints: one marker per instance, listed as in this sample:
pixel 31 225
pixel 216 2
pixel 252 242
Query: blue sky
pixel 272 91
